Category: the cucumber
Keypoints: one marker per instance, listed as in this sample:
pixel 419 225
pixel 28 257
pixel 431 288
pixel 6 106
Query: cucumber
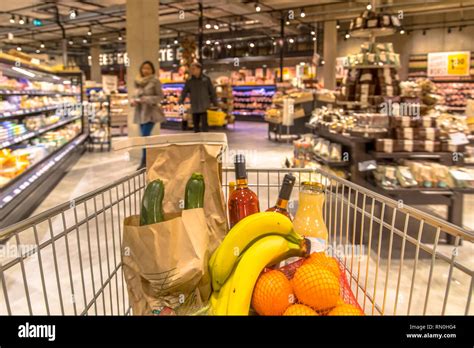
pixel 152 203
pixel 194 195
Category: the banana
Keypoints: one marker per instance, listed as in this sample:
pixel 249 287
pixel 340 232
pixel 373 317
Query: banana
pixel 242 235
pixel 212 259
pixel 220 307
pixel 265 251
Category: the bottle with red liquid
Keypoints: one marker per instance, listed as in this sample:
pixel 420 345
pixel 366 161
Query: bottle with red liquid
pixel 284 196
pixel 243 201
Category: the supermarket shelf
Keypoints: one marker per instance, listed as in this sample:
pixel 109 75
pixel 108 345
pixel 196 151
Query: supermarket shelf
pixel 331 163
pixel 37 93
pixel 31 135
pixel 27 112
pixel 22 195
pixel 375 66
pixel 366 33
pixel 337 137
pixel 413 155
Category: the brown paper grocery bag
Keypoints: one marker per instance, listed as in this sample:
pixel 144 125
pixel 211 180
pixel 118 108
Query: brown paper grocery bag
pixel 165 264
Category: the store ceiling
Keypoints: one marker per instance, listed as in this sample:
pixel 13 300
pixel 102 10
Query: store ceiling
pixel 235 18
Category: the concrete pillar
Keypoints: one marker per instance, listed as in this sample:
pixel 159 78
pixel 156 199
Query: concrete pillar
pixel 330 54
pixel 143 43
pixel 96 74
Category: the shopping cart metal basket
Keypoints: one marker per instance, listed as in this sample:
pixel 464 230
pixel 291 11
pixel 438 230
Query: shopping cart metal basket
pixel 67 260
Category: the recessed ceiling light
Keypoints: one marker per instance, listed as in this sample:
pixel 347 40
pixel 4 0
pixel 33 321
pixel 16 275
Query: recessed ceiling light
pixel 12 19
pixel 252 44
pixel 229 46
pixel 208 42
pixel 208 26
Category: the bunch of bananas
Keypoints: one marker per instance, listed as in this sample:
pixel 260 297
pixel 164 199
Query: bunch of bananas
pixel 257 241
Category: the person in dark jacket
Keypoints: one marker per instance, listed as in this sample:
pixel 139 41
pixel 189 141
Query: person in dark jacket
pixel 147 101
pixel 202 92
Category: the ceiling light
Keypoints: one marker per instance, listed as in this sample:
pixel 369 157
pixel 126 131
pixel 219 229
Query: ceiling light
pixel 216 26
pixel 168 46
pixel 120 38
pixel 314 39
pixel 338 25
pixel 72 14
pixel 323 62
pixel 71 42
pixel 347 36
pixel 89 32
pixel 18 48
pixel 216 43
pixel 302 14
pixel 229 46
pixel 208 26
pixel 402 31
pixel 287 23
pixel 208 42
pixel 38 51
pixel 175 41
pixel 274 43
pixel 369 7
pixel 252 44
pixel 21 21
pixel 10 36
pixel 42 45
pixel 313 32
pixel 291 40
pixel 89 57
pixel 257 7
pixel 12 19
pixel 84 40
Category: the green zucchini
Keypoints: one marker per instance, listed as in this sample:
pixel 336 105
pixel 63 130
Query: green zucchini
pixel 152 203
pixel 194 195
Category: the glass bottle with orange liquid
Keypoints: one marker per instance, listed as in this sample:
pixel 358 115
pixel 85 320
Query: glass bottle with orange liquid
pixel 284 196
pixel 243 201
pixel 309 220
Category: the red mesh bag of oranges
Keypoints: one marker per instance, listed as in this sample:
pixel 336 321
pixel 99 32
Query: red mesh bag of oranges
pixel 316 285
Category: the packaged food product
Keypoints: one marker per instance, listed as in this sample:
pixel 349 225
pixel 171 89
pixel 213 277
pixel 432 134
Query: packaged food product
pixel 405 177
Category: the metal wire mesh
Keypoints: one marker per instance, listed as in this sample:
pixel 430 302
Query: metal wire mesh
pixel 67 260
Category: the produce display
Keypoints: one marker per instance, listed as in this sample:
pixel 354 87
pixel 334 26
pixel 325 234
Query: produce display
pixel 423 175
pixel 172 92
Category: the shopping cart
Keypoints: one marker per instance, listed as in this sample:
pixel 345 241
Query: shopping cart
pixel 67 260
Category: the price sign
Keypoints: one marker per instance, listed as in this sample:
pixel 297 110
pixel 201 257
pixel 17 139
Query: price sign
pixel 449 64
pixel 458 139
pixel 459 63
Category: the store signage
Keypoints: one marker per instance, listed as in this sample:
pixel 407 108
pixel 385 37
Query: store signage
pixel 449 64
pixel 113 59
pixel 109 83
pixel 341 64
pixel 169 55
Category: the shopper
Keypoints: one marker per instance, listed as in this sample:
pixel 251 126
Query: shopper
pixel 147 102
pixel 202 92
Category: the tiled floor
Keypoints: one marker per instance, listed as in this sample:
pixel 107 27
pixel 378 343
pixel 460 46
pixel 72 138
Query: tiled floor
pixel 72 267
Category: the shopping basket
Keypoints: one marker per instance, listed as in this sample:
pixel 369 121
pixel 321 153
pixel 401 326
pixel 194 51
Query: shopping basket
pixel 67 260
pixel 216 118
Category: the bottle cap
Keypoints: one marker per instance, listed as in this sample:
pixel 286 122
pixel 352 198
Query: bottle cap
pixel 287 186
pixel 240 171
pixel 313 186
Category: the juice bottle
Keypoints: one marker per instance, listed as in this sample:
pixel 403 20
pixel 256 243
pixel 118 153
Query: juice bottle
pixel 284 196
pixel 309 220
pixel 243 201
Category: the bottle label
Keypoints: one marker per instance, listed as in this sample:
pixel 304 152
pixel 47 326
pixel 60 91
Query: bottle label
pixel 317 244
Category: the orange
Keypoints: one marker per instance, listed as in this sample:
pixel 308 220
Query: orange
pixel 299 309
pixel 345 309
pixel 316 287
pixel 323 260
pixel 272 293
